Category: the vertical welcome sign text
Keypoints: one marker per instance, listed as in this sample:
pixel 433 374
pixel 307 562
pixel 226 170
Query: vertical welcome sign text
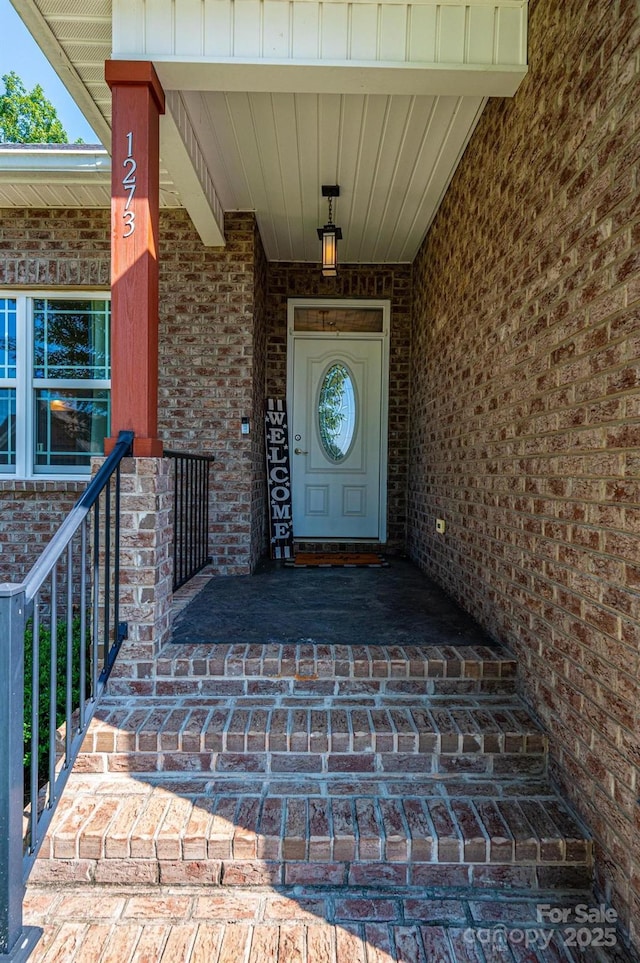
pixel 279 479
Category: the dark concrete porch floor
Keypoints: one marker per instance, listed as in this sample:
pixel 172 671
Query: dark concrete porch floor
pixel 392 605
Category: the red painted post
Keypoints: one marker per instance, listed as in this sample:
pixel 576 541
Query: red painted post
pixel 137 102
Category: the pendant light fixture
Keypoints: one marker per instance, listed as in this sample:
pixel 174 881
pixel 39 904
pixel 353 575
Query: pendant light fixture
pixel 330 235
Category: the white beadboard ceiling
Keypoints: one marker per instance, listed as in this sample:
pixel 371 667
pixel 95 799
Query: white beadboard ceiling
pixel 391 156
pixel 391 144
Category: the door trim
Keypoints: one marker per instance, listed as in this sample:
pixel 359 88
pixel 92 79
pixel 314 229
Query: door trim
pixel 384 338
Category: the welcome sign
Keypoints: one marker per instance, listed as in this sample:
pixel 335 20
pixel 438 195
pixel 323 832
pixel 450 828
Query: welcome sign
pixel 279 478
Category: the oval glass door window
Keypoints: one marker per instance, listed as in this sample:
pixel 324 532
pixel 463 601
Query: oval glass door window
pixel 337 412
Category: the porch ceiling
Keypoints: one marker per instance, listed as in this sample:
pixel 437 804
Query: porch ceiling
pixel 392 156
pixel 248 130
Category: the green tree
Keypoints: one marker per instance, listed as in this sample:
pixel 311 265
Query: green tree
pixel 27 117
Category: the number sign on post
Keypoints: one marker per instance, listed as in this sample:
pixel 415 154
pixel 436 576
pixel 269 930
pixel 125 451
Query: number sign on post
pixel 129 184
pixel 279 479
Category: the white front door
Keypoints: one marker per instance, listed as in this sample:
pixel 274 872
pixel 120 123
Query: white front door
pixel 337 432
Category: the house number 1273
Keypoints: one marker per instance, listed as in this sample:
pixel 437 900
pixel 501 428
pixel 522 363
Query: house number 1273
pixel 129 184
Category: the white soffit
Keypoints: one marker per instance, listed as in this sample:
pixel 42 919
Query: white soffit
pixel 54 176
pixel 393 157
pixel 75 36
pixel 285 95
pixel 61 176
pixel 269 99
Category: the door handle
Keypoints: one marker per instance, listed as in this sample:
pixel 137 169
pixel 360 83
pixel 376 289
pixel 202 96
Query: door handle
pixel 299 451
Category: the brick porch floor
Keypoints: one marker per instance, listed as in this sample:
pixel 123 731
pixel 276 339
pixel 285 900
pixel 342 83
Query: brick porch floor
pixel 302 801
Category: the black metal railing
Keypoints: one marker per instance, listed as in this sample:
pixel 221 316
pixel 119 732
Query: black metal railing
pixel 60 633
pixel 190 515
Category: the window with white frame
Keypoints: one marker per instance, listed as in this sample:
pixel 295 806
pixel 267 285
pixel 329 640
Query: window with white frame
pixel 54 382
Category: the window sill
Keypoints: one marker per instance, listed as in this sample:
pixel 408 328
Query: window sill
pixel 64 483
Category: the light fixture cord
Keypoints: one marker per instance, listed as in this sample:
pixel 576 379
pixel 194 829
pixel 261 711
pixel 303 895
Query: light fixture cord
pixel 330 209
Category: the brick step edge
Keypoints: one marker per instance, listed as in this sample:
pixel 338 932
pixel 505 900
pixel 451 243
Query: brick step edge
pixel 375 875
pixel 477 763
pixel 316 661
pixel 163 826
pixel 207 737
pixel 124 681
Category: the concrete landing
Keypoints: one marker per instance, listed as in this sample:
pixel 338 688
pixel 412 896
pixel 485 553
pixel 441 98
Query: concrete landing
pixel 374 606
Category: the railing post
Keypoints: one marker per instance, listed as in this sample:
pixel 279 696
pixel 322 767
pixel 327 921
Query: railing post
pixel 16 941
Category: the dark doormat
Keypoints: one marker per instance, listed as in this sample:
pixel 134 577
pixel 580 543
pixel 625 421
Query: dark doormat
pixel 337 560
pixel 397 605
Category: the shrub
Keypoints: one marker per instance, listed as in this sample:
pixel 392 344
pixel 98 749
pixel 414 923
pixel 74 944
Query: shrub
pixel 44 701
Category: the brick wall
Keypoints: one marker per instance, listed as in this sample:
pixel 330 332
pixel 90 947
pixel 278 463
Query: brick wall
pixel 389 281
pixel 47 248
pixel 55 247
pixel 526 404
pixel 220 333
pixel 208 377
pixel 30 514
pixel 212 358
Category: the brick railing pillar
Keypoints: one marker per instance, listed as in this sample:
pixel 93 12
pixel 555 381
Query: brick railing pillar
pixel 146 568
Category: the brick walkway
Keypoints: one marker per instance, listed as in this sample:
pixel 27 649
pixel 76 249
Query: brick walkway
pixel 193 925
pixel 314 802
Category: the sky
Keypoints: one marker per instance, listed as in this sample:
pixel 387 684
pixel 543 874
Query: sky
pixel 20 53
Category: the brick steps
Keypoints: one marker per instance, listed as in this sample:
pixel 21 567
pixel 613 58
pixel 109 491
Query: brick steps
pixel 311 669
pixel 333 833
pixel 321 772
pixel 313 660
pixel 455 735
